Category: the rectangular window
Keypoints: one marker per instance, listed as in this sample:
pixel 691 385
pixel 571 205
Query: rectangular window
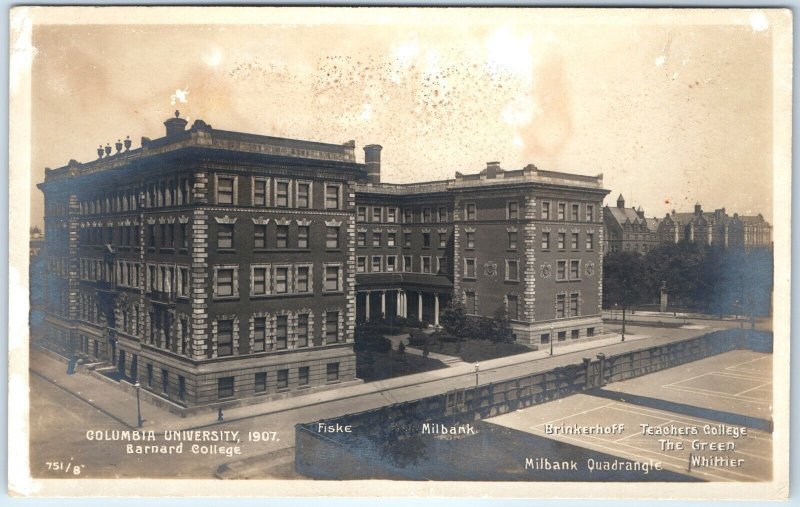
pixel 562 335
pixel 261 382
pixel 361 264
pixel 225 282
pixel 561 270
pixel 303 278
pixel 151 235
pixel 149 374
pixel 283 379
pixel 441 214
pixel 589 241
pixel 560 306
pixel 470 211
pixel 513 210
pixel 574 270
pixel 281 280
pixel 331 197
pixel 225 236
pixel 574 214
pixel 331 278
pixel 302 236
pixel 224 190
pixel 391 239
pixel 469 268
pixel 545 241
pixel 575 241
pixel 545 210
pixel 442 267
pixel 513 306
pixel 426 215
pixel 562 211
pixel 426 264
pixel 331 327
pixel 442 240
pixel 303 195
pixel 470 240
pixel 426 240
pixel 573 305
pixel 544 338
pixel 183 286
pixel 165 381
pixel 562 240
pixel 376 263
pixel 332 237
pixel 282 236
pixel 259 334
pixel 407 264
pixel 408 216
pixel 225 387
pixel 302 330
pixel 376 239
pixel 361 214
pixel 589 213
pixel 259 281
pixel 332 374
pixel 361 238
pixel 512 240
pixel 260 236
pixel 224 338
pixel 472 301
pixel 589 331
pixel 377 213
pixel 259 192
pixel 391 263
pixel 282 194
pixel 281 332
pixel 302 375
pixel 391 215
pixel 407 239
pixel 512 270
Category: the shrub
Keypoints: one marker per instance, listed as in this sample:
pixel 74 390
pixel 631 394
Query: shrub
pixel 369 338
pixel 417 338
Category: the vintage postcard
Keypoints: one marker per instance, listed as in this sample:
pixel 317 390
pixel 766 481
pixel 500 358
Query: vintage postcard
pixel 452 252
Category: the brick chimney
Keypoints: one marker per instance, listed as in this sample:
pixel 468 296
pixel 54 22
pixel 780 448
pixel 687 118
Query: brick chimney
pixel 372 159
pixel 175 125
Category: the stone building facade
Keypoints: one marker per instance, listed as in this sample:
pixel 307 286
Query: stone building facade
pixel 628 230
pixel 216 266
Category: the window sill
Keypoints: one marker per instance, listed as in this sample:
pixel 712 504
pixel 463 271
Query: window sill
pixel 333 381
pixel 166 250
pixel 332 293
pixel 261 393
pixel 511 281
pixel 282 390
pixel 226 250
pixel 225 298
pixel 335 250
pixel 305 386
pixel 469 278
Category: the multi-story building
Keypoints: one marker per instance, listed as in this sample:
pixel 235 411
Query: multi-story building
pixel 213 266
pixel 627 229
pixel 716 228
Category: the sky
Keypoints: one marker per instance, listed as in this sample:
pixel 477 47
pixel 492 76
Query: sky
pixel 672 112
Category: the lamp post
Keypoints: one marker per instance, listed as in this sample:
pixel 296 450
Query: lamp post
pixel 138 388
pixel 477 369
pixel 552 337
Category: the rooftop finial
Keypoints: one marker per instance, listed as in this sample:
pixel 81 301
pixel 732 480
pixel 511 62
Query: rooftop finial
pixel 177 113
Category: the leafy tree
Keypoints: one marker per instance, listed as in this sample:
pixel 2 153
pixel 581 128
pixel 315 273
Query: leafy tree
pixel 454 320
pixel 623 273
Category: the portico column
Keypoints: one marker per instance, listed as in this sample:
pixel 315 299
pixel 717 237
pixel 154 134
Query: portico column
pixel 366 318
pixel 404 304
pixel 397 309
pixel 436 309
pixel 383 303
pixel 419 305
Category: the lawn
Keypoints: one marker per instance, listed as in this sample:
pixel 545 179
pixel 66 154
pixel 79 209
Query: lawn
pixel 477 350
pixel 372 366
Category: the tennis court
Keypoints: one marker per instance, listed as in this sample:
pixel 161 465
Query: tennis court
pixel 708 419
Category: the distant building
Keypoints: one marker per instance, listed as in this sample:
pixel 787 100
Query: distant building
pixel 716 228
pixel 628 230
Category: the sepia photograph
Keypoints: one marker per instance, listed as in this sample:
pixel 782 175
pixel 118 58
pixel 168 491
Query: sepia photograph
pixel 396 251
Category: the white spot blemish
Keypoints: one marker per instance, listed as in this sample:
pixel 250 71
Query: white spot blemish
pixel 180 96
pixel 366 112
pixel 758 21
pixel 661 60
pixel 507 52
pixel 213 58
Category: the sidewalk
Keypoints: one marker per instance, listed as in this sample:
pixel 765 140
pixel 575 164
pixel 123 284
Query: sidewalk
pixel 111 400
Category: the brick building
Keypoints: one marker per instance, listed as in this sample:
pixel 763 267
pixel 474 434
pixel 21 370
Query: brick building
pixel 627 229
pixel 216 266
pixel 716 228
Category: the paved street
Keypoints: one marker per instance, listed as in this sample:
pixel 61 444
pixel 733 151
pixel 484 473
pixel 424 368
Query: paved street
pixel 54 427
